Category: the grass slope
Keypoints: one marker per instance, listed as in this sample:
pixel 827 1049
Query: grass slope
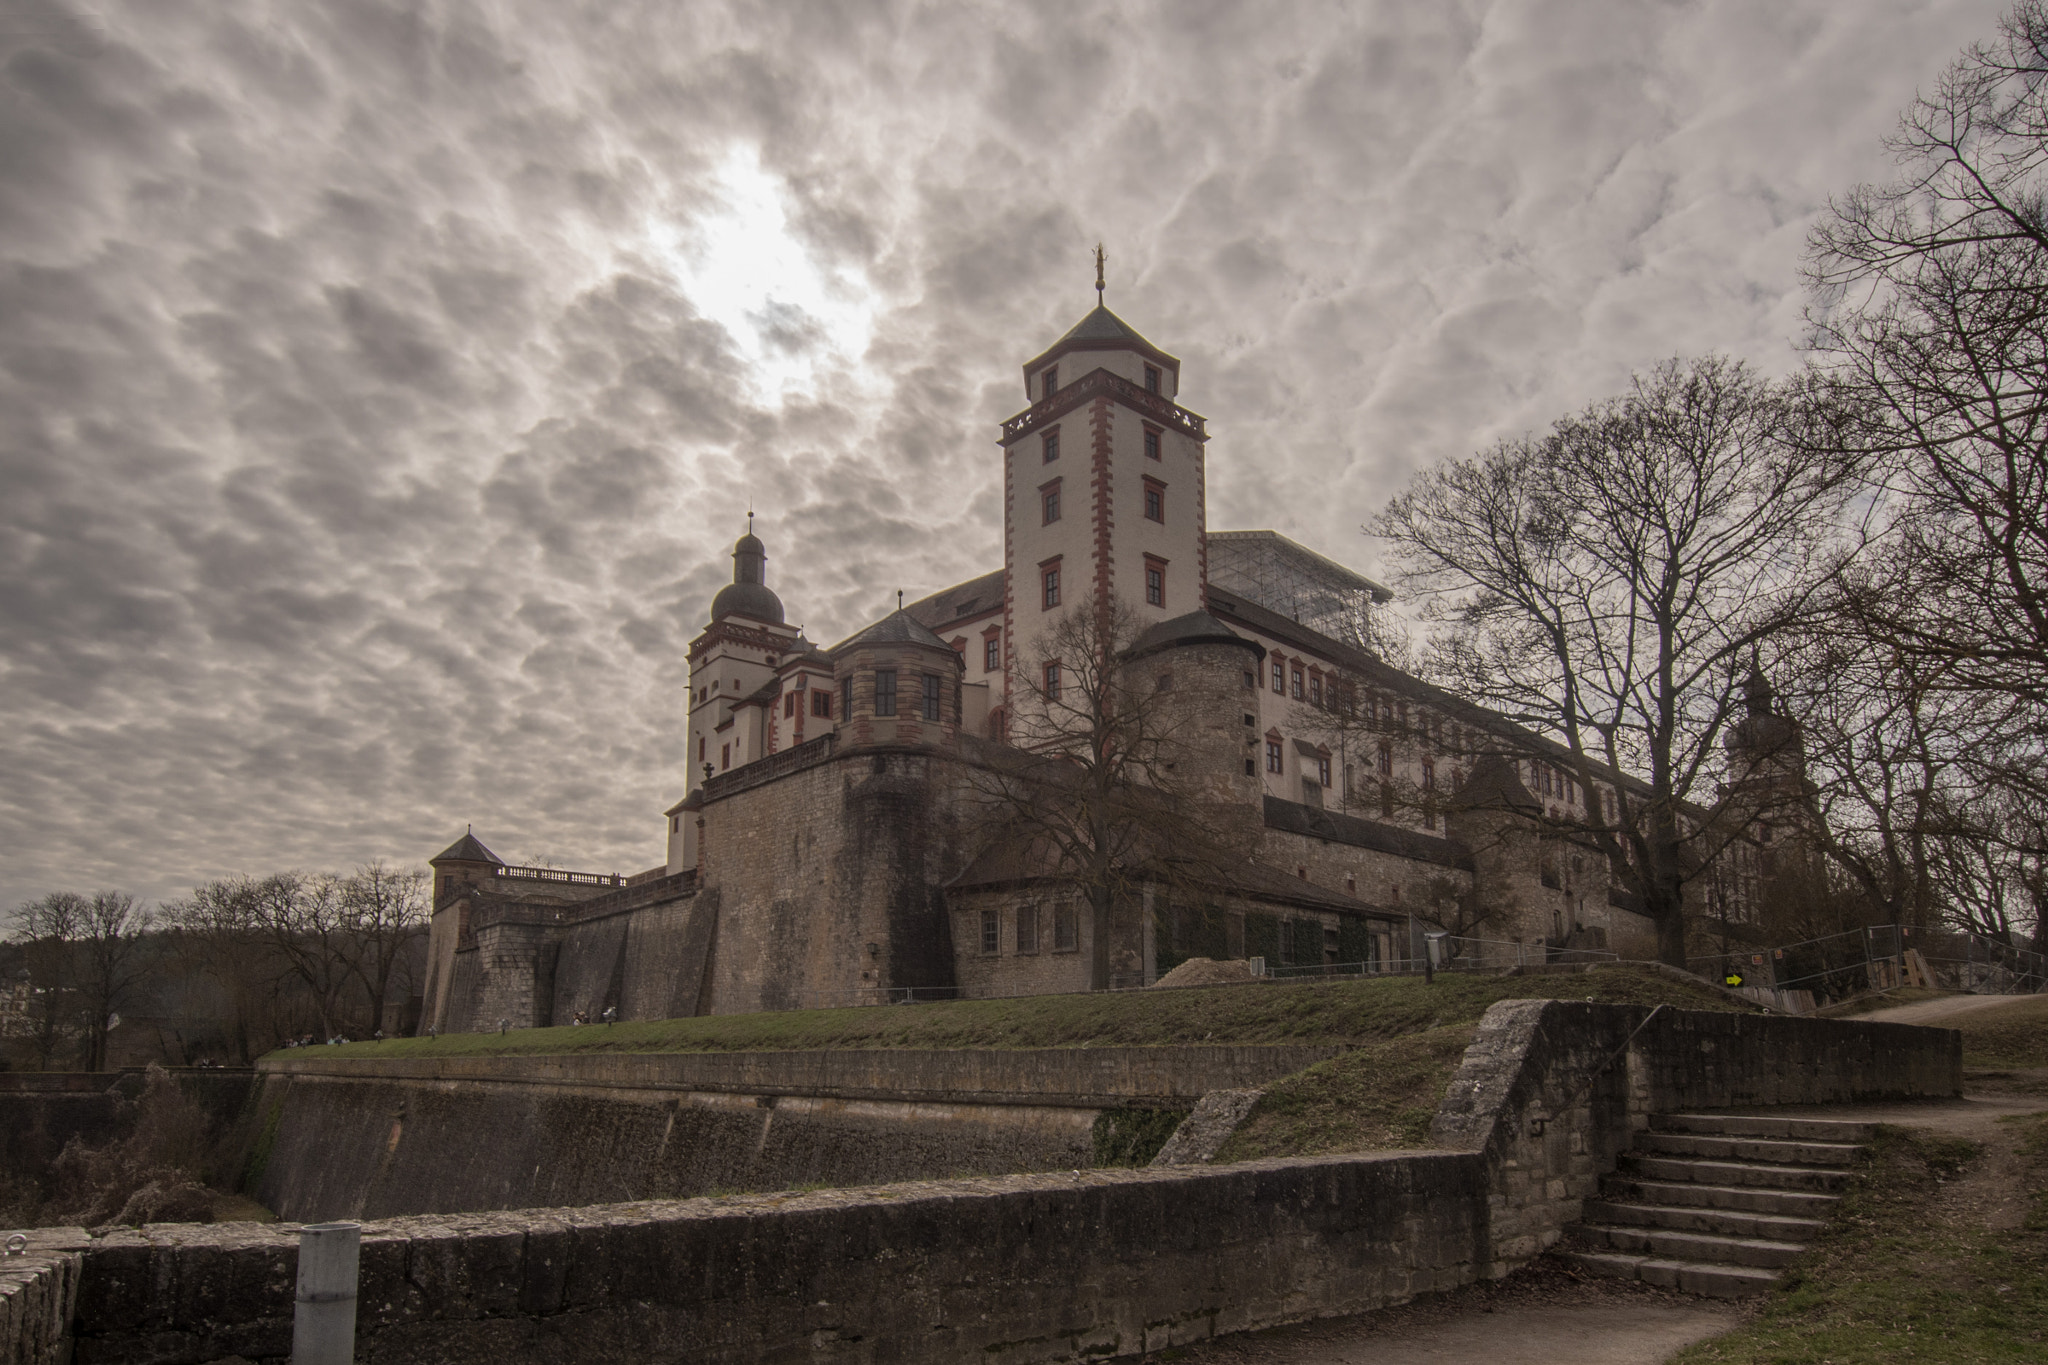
pixel 1375 1099
pixel 1897 1277
pixel 2014 1035
pixel 1350 1011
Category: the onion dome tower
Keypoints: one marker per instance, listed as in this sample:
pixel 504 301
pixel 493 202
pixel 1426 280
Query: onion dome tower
pixel 748 594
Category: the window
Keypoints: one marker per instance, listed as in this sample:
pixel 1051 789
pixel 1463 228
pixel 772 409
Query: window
pixel 789 703
pixel 1386 759
pixel 1052 587
pixel 1297 683
pixel 1276 757
pixel 1250 768
pixel 1066 929
pixel 1251 679
pixel 1250 719
pixel 1323 769
pixel 1151 444
pixel 846 697
pixel 1027 928
pixel 725 756
pixel 1155 585
pixel 931 696
pixel 1052 682
pixel 992 654
pixel 1155 501
pixel 1050 443
pixel 1152 379
pixel 1279 676
pixel 1315 689
pixel 1049 502
pixel 991 932
pixel 885 691
pixel 1050 385
pixel 1428 794
pixel 700 748
pixel 821 703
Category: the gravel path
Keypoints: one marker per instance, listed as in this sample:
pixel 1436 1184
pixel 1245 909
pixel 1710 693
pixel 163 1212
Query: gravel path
pixel 1934 1011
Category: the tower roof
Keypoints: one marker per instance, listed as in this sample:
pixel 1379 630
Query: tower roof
pixel 1495 783
pixel 1101 330
pixel 897 628
pixel 1195 628
pixel 748 594
pixel 467 849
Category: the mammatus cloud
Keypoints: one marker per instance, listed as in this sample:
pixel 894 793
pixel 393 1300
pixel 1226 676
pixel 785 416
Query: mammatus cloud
pixel 382 384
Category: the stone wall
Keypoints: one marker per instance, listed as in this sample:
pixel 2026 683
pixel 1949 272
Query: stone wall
pixel 363 1139
pixel 38 1299
pixel 1020 1268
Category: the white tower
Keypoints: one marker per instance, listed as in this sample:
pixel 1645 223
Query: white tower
pixel 1104 486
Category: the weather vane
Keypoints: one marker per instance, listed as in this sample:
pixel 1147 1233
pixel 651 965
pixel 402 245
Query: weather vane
pixel 1099 259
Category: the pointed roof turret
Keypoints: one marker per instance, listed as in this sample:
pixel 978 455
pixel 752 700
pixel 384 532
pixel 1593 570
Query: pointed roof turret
pixel 897 628
pixel 467 849
pixel 1495 783
pixel 1102 330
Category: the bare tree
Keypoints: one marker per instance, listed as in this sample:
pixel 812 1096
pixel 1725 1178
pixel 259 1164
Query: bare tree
pixel 1096 784
pixel 218 934
pixel 1930 310
pixel 384 912
pixel 47 927
pixel 110 965
pixel 1604 585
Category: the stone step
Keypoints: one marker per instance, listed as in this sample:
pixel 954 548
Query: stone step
pixel 1776 1151
pixel 1718 1281
pixel 1818 1130
pixel 1649 1167
pixel 1699 1194
pixel 1722 1222
pixel 1698 1247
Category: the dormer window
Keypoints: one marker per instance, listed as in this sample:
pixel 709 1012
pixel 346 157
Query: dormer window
pixel 1049 385
pixel 1152 378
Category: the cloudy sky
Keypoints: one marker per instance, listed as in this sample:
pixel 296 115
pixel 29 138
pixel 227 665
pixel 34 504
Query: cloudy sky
pixel 382 384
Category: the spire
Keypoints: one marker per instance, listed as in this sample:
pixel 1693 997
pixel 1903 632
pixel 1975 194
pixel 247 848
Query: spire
pixel 1756 690
pixel 748 593
pixel 1099 259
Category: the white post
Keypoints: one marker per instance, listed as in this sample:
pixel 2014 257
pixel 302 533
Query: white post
pixel 324 1319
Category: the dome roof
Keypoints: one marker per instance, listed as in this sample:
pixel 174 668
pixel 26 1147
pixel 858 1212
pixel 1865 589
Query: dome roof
pixel 748 594
pixel 756 601
pixel 900 628
pixel 1195 628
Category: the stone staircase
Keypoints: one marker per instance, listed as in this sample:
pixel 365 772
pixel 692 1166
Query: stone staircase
pixel 1716 1205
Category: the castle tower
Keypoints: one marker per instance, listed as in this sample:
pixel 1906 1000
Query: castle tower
pixel 1767 782
pixel 1104 488
pixel 735 657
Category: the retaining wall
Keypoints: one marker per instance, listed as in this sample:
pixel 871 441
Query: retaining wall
pixel 40 1111
pixel 348 1138
pixel 1023 1268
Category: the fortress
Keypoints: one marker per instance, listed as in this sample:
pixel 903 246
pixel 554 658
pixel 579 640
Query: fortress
pixel 823 851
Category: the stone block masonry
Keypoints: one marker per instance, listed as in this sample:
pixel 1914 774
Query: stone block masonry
pixel 1021 1268
pixel 355 1138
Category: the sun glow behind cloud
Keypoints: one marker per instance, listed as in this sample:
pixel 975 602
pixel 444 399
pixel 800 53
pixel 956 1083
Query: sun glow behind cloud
pixel 791 318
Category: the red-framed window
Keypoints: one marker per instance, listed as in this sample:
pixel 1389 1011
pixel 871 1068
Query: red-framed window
pixel 1155 500
pixel 991 653
pixel 821 703
pixel 1049 445
pixel 1050 384
pixel 1155 582
pixel 1279 675
pixel 1151 443
pixel 1049 585
pixel 1299 692
pixel 1049 502
pixel 1152 379
pixel 1276 757
pixel 1052 681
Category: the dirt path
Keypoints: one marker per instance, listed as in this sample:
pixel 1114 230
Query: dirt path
pixel 1935 1011
pixel 1542 1315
